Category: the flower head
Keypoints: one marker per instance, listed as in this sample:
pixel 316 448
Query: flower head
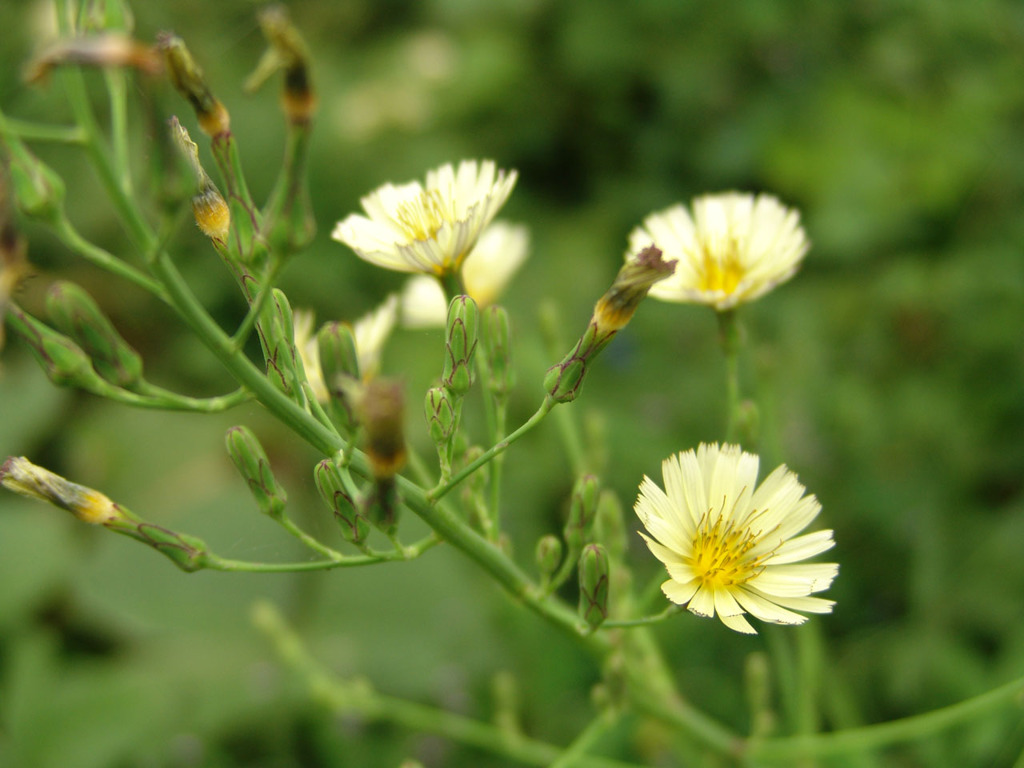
pixel 501 250
pixel 428 228
pixel 729 547
pixel 734 248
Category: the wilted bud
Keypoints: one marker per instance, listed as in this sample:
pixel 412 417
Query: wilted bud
pixel 611 313
pixel 23 477
pixel 381 412
pixel 62 360
pixel 441 416
pixel 288 52
pixel 187 78
pixel 593 605
pixel 110 49
pixel 75 313
pixel 498 350
pixel 354 526
pixel 582 511
pixel 211 212
pixel 38 190
pixel 254 467
pixel 460 345
pixel 548 555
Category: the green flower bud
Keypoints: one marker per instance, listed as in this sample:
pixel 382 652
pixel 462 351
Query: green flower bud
pixel 354 526
pixel 187 552
pixel 441 416
pixel 548 555
pixel 254 467
pixel 338 357
pixel 277 335
pixel 75 313
pixel 593 573
pixel 460 345
pixel 63 361
pixel 582 511
pixel 498 350
pixel 609 527
pixel 38 190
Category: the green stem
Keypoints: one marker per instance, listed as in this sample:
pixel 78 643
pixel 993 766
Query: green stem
pixel 314 544
pixel 730 338
pixel 575 753
pixel 165 399
pixel 569 430
pixel 880 735
pixel 358 697
pixel 672 610
pixel 57 134
pixel 105 260
pixel 213 562
pixel 115 81
pixel 490 453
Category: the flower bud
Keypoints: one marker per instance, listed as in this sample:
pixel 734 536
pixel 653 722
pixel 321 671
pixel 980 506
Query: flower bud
pixel 277 335
pixel 593 574
pixel 460 345
pixel 75 313
pixel 354 526
pixel 64 362
pixel 254 467
pixel 211 212
pixel 338 356
pixel 498 350
pixel 288 52
pixel 611 313
pixel 187 78
pixel 38 190
pixel 582 511
pixel 441 416
pixel 609 526
pixel 23 477
pixel 548 555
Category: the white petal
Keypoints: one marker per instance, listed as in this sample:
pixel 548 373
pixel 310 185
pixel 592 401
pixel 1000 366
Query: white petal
pixel 679 593
pixel 703 602
pixel 795 580
pixel 766 609
pixel 738 623
pixel 802 548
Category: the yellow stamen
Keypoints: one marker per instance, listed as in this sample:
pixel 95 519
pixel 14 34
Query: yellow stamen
pixel 422 217
pixel 720 548
pixel 721 269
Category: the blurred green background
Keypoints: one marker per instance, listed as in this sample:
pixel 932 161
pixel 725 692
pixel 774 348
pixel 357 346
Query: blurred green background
pixel 890 372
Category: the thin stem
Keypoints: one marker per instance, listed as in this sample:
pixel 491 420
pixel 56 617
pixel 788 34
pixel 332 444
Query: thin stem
pixel 57 134
pixel 576 752
pixel 883 734
pixel 106 260
pixel 672 610
pixel 314 544
pixel 174 401
pixel 256 307
pixel 493 451
pixel 357 697
pixel 730 339
pixel 115 81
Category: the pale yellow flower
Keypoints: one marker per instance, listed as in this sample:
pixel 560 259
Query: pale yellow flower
pixel 733 249
pixel 428 228
pixel 729 547
pixel 498 254
pixel 371 331
pixel 304 330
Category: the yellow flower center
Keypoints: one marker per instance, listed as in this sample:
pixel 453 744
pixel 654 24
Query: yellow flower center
pixel 720 550
pixel 422 217
pixel 721 269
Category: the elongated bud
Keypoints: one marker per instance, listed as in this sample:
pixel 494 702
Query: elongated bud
pixel 277 333
pixel 23 477
pixel 582 511
pixel 441 417
pixel 593 605
pixel 611 313
pixel 460 345
pixel 254 467
pixel 381 412
pixel 287 52
pixel 38 190
pixel 338 356
pixel 75 313
pixel 354 526
pixel 548 555
pixel 63 361
pixel 498 350
pixel 609 527
pixel 188 79
pixel 211 212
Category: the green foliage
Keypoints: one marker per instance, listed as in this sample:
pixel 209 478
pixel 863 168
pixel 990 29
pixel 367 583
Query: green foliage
pixel 889 375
